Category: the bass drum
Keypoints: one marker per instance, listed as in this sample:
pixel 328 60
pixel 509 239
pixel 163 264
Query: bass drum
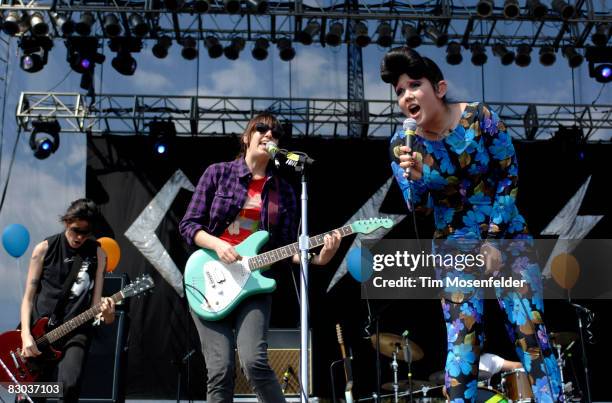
pixel 488 395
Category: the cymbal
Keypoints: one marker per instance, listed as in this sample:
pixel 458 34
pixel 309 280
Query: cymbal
pixel 388 343
pixel 404 385
pixel 563 338
pixel 438 376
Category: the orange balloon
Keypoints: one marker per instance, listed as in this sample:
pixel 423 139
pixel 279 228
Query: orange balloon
pixel 113 253
pixel 565 270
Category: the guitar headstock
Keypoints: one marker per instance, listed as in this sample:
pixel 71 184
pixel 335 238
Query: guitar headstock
pixel 371 225
pixel 339 334
pixel 138 286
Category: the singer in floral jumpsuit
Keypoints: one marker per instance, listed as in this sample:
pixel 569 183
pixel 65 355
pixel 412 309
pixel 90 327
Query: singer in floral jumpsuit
pixel 463 168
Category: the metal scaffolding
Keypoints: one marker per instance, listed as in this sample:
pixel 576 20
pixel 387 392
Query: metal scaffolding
pixel 459 20
pixel 120 114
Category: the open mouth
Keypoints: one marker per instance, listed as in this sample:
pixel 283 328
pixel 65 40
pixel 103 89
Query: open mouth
pixel 414 109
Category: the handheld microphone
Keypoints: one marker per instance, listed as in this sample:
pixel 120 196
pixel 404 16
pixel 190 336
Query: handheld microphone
pixel 409 127
pixel 406 347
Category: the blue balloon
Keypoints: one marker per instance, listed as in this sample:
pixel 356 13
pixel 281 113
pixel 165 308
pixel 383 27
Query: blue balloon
pixel 15 239
pixel 359 264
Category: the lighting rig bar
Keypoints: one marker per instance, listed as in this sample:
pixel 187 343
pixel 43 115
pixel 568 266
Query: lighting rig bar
pixel 120 114
pixel 461 24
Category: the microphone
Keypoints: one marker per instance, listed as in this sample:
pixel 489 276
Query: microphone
pixel 406 348
pixel 409 127
pixel 286 374
pixel 290 157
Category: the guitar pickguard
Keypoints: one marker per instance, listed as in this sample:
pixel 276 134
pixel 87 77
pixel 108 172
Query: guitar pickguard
pixel 223 283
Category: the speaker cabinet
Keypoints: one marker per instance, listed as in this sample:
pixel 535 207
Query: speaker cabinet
pixel 103 372
pixel 284 358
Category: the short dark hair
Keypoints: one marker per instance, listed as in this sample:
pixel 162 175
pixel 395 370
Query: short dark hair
pixel 403 60
pixel 82 209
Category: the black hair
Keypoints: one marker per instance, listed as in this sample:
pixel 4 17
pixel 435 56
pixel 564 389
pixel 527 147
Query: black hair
pixel 82 209
pixel 403 60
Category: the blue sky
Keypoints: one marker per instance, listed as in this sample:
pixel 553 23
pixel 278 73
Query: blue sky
pixel 39 191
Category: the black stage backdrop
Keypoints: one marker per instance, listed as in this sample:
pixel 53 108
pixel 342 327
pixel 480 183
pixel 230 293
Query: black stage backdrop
pixel 123 176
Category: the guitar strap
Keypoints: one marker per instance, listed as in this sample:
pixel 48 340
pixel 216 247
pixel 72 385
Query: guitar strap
pixel 273 204
pixel 58 316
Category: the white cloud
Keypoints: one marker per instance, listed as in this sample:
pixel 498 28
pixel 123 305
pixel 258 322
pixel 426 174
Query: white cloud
pixel 145 81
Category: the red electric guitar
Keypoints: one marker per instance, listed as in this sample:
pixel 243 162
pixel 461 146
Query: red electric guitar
pixel 14 367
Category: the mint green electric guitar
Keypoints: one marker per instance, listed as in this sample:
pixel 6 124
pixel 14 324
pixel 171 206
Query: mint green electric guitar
pixel 214 288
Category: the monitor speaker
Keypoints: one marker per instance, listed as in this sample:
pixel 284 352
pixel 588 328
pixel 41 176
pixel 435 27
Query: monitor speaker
pixel 284 357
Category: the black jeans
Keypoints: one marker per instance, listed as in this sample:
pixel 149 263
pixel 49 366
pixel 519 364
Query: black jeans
pixel 251 320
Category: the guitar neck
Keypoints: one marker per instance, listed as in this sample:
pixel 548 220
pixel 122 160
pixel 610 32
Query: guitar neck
pixel 278 254
pixel 75 322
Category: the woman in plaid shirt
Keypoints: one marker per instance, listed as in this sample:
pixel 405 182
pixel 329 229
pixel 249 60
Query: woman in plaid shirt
pixel 232 200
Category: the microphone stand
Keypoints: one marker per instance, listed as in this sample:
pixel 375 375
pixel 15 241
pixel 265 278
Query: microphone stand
pixel 579 311
pixel 299 162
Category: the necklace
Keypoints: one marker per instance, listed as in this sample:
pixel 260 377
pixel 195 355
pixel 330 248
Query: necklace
pixel 434 136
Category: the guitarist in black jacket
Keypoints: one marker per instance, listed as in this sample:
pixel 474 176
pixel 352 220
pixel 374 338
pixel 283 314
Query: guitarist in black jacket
pixel 65 277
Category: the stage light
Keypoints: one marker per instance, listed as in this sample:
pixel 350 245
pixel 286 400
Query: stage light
pixel 44 139
pixel 64 24
pixel 86 22
pixel 285 49
pixel 438 37
pixel 160 49
pixel 213 46
pixel 453 53
pixel 232 6
pixel 385 35
pixel 536 8
pixel 190 50
pixel 162 134
pixel 260 49
pixel 258 6
pixel 82 54
pixel 506 56
pixel 547 55
pixel 124 63
pixel 565 10
pixel 11 23
pixel 232 51
pixel 362 39
pixel 479 56
pixel 138 25
pixel 600 63
pixel 574 59
pixel 306 35
pixel 511 8
pixel 601 35
pixel 484 8
pixel 334 35
pixel 111 25
pixel 35 51
pixel 411 35
pixel 38 25
pixel 523 55
pixel 201 6
pixel 603 73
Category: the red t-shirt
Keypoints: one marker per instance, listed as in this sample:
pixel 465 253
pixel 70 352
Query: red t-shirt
pixel 248 219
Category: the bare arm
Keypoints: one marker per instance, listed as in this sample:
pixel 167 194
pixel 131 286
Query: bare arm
pixel 35 268
pixel 511 365
pixel 108 305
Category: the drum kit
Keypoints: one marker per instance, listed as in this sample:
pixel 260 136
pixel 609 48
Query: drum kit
pixel 513 386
